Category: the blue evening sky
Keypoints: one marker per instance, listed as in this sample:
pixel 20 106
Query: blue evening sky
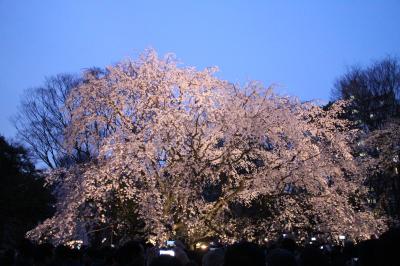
pixel 301 45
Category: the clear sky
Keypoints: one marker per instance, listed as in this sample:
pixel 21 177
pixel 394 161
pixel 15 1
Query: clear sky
pixel 301 45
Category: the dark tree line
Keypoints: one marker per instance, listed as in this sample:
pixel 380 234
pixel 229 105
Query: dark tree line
pixel 375 91
pixel 24 201
pixel 43 119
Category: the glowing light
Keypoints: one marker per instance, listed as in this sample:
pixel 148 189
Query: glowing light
pixel 170 243
pixel 74 244
pixel 201 245
pixel 167 252
pixel 152 241
pixel 342 237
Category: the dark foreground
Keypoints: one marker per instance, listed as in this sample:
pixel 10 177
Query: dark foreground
pixel 284 252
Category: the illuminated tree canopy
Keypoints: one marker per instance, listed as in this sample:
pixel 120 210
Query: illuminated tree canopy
pixel 179 151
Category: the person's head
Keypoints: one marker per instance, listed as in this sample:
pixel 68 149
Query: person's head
pixel 288 244
pixel 165 260
pixel 25 248
pixel 312 256
pixel 244 253
pixel 64 253
pixel 43 253
pixel 280 257
pixel 7 257
pixel 387 250
pixel 367 251
pixel 214 258
pixel 132 253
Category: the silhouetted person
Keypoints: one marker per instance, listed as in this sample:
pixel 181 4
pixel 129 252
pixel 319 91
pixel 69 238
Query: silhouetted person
pixel 367 251
pixel 165 260
pixel 312 256
pixel 130 254
pixel 25 252
pixel 337 257
pixel 388 248
pixel 43 254
pixel 65 256
pixel 244 253
pixel 281 257
pixel 289 244
pixel 214 258
pixel 7 257
pixel 349 250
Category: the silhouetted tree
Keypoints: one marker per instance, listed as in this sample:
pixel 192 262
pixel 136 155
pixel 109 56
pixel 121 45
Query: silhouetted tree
pixel 23 199
pixel 43 119
pixel 375 91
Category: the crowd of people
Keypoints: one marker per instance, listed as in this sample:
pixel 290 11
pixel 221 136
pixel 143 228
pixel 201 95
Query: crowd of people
pixel 383 251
